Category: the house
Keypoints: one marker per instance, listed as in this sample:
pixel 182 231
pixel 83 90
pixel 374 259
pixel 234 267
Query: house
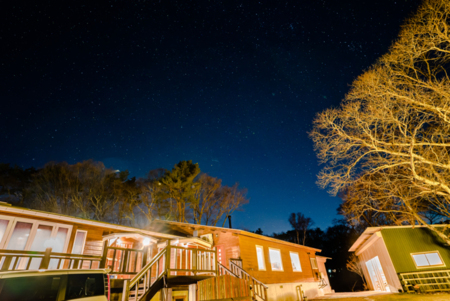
pixel 283 267
pixel 165 260
pixel 403 258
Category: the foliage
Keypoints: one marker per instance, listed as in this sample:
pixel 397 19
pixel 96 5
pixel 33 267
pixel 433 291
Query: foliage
pixel 13 181
pixel 90 190
pixel 387 147
pixel 180 189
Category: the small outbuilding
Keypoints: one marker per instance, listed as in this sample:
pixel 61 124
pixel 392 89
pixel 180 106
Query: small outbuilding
pixel 403 258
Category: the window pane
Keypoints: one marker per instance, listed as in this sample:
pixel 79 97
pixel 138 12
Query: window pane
pixel 19 236
pixel 79 242
pixel 43 234
pixel 30 288
pixel 434 258
pixel 260 255
pixel 85 285
pixel 275 260
pixel 296 267
pixel 420 260
pixel 3 225
pixel 60 240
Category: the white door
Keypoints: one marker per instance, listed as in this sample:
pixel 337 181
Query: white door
pixel 377 276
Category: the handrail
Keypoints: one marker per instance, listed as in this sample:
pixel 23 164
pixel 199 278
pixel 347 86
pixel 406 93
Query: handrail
pixel 11 260
pixel 144 270
pixel 244 272
pixel 258 288
pixel 224 268
pixel 4 252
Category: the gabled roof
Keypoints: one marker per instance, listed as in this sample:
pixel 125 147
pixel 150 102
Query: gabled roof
pixel 188 230
pixel 367 234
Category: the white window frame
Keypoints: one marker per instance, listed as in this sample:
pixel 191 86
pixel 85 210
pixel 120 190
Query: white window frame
pixel 314 265
pixel 299 263
pixel 84 241
pixel 281 260
pixel 428 266
pixel 263 258
pixel 4 239
pixel 34 226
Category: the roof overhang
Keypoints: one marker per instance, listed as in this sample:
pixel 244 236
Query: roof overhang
pixel 30 213
pixel 136 235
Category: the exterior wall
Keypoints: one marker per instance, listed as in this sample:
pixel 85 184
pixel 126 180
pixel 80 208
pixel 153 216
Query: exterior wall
pixel 290 291
pixel 322 269
pixel 401 242
pixel 378 248
pixel 250 262
pixel 94 238
pixel 228 242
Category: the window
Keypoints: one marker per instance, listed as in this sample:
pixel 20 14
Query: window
pixel 85 285
pixel 30 288
pixel 275 260
pixel 78 245
pixel 428 259
pixel 295 260
pixel 18 233
pixel 260 256
pixel 313 263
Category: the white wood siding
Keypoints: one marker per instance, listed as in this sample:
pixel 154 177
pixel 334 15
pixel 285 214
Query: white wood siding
pixel 378 248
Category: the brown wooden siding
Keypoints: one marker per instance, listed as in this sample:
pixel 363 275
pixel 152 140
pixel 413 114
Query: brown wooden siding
pixel 250 261
pixel 378 248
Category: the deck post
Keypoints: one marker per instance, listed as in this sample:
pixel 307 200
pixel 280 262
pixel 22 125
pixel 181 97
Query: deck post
pixel 168 259
pixel 105 252
pixel 144 256
pixel 126 291
pixel 46 259
pixel 194 261
pixel 6 263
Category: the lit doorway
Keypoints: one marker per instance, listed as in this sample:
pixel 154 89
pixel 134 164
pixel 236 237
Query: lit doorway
pixel 377 276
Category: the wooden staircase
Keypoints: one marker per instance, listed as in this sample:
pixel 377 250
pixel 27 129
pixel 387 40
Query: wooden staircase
pixel 258 290
pixel 148 281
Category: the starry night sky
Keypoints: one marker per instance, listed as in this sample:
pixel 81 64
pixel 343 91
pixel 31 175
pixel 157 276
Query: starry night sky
pixel 232 85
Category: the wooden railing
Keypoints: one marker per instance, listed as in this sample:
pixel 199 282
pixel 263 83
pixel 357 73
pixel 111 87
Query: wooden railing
pixel 188 261
pixel 125 261
pixel 171 261
pixel 258 288
pixel 223 270
pixel 149 274
pixel 12 260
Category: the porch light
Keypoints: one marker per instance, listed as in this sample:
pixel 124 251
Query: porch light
pixel 146 241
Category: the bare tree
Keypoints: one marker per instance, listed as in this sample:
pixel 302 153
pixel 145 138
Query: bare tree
pixel 152 196
pixel 207 197
pixel 354 265
pixel 390 138
pixel 301 224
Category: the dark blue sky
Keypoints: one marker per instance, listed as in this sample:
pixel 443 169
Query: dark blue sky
pixel 232 85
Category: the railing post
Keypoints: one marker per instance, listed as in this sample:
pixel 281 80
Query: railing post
pixel 194 261
pixel 125 261
pixel 126 291
pixel 6 263
pixel 105 252
pixel 46 259
pixel 168 258
pixel 144 256
pixel 216 262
